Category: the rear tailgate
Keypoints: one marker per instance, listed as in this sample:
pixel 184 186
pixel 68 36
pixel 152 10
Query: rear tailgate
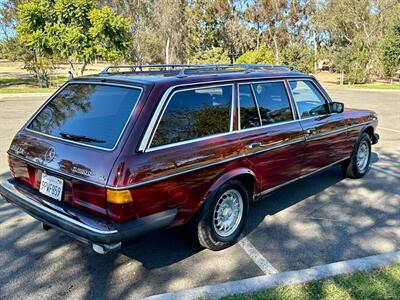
pixel 74 137
pixel 84 171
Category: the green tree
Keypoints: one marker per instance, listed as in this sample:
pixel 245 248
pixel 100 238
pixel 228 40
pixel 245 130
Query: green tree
pixel 354 28
pixel 390 50
pixel 353 62
pixel 300 56
pixel 213 56
pixel 262 55
pixel 74 30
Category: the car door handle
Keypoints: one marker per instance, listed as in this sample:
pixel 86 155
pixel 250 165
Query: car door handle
pixel 311 131
pixel 254 145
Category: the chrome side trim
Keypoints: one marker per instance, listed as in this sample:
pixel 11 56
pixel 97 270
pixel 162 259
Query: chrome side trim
pixel 182 172
pixel 263 193
pixel 164 104
pixel 85 82
pixel 10 188
pixel 274 147
pixel 360 124
pixel 271 148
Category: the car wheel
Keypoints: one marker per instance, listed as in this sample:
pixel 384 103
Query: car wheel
pixel 358 164
pixel 220 221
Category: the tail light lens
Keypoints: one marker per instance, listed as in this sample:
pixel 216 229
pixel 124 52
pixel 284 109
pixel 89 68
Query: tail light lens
pixel 120 205
pixel 116 205
pixel 89 197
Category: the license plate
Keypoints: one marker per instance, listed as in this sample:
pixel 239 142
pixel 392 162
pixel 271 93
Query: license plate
pixel 51 186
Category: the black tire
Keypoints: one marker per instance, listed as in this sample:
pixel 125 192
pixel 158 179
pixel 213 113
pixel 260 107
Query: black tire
pixel 202 225
pixel 350 167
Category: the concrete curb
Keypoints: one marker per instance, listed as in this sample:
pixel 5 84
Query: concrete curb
pixel 255 284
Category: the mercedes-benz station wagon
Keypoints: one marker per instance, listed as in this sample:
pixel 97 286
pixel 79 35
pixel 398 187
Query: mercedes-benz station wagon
pixel 133 149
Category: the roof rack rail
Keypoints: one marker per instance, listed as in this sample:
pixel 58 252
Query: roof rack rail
pixel 185 68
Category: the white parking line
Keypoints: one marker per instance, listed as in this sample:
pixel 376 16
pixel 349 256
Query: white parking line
pixel 257 257
pixel 386 171
pixel 389 129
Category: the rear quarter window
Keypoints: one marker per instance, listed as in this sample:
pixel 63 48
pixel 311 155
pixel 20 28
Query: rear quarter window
pixel 91 114
pixel 194 114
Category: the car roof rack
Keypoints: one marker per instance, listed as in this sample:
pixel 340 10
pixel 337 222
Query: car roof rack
pixel 184 69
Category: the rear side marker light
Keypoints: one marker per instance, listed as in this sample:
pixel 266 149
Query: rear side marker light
pixel 119 197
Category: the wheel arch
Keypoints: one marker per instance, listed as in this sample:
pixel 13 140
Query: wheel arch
pixel 244 175
pixel 369 129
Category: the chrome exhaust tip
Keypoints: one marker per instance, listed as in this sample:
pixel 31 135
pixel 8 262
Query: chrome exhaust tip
pixel 104 249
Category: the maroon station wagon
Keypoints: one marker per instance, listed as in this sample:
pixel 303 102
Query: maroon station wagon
pixel 113 156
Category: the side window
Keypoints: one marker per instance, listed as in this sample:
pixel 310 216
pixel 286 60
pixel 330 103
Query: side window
pixel 309 100
pixel 273 102
pixel 194 114
pixel 249 117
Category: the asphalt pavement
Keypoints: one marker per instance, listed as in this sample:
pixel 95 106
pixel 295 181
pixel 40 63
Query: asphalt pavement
pixel 320 219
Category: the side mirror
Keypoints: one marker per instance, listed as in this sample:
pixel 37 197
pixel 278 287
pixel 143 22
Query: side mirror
pixel 337 107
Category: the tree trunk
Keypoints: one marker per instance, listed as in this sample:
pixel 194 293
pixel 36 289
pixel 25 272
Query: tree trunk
pixel 83 68
pixel 275 45
pixel 276 50
pixel 167 52
pixel 315 51
pixel 72 67
pixel 258 35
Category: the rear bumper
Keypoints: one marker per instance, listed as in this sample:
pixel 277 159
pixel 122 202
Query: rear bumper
pixel 80 225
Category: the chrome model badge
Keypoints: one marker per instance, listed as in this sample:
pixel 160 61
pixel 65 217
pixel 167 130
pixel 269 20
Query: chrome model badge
pixel 50 154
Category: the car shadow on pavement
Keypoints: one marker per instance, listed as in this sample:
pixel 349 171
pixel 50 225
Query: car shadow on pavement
pixel 35 263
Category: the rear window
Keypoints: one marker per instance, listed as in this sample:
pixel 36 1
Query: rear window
pixel 91 114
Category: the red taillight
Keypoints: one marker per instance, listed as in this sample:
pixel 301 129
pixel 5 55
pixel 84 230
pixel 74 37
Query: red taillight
pixel 118 206
pixel 89 197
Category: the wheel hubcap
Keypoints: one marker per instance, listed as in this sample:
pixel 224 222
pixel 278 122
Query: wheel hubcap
pixel 228 213
pixel 362 156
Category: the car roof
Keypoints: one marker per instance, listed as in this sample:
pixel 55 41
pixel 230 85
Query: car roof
pixel 196 74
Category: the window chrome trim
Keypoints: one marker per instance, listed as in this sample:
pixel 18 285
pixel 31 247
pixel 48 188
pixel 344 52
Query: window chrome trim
pixel 163 104
pixel 266 126
pixel 25 127
pixel 288 94
pixel 239 126
pixel 253 94
pixel 147 132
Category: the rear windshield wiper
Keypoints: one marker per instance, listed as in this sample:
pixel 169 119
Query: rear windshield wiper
pixel 80 138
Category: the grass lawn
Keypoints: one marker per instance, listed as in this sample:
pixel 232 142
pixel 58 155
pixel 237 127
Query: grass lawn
pixel 378 86
pixel 383 283
pixel 11 85
pixel 26 90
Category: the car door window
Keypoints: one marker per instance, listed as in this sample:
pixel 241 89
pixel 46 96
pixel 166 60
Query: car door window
pixel 249 116
pixel 309 100
pixel 193 114
pixel 273 102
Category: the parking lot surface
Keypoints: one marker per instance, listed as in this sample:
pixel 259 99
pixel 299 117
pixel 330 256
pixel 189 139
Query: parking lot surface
pixel 320 219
